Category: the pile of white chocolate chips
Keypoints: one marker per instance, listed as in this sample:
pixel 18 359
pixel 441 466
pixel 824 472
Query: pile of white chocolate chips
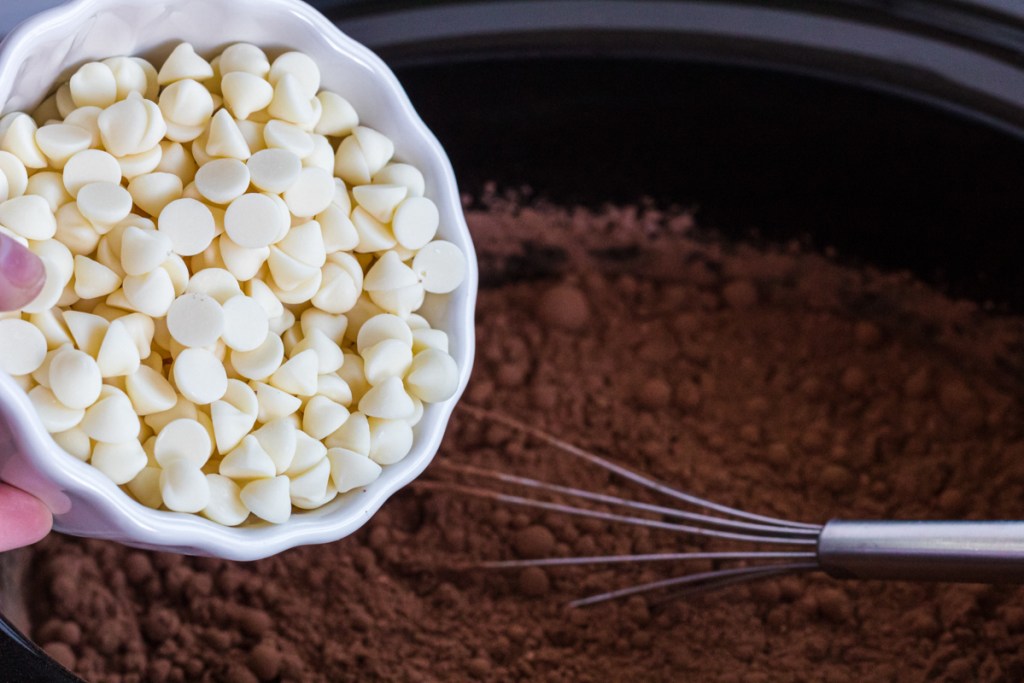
pixel 234 265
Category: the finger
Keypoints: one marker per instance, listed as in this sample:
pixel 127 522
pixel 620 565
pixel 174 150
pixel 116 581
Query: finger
pixel 21 275
pixel 24 519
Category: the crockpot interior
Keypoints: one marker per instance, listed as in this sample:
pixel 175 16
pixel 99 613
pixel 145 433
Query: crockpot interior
pixel 883 175
pixel 893 132
pixel 883 178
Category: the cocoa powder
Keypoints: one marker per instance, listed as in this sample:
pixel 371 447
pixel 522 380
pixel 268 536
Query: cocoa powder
pixel 767 378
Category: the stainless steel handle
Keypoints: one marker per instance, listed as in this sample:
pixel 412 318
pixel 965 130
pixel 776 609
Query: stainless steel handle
pixel 956 551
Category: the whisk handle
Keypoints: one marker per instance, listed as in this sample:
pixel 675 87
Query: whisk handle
pixel 955 551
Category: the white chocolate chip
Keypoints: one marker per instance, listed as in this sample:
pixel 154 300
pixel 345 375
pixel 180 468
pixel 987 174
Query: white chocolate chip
pixel 184 487
pixel 329 355
pixel 249 460
pixel 75 442
pixel 118 354
pixel 289 272
pixel 388 273
pixel 189 225
pixel 244 57
pixel 305 243
pixel 51 324
pixel 199 376
pixel 90 166
pixel 152 293
pixel 415 222
pixel 441 266
pixel 338 117
pixel 146 487
pixel 225 505
pixel 225 138
pixel 243 263
pixel 290 102
pixel 94 279
pixel 274 403
pixel 254 220
pixel 55 416
pixel 334 388
pixel 14 171
pixel 28 216
pixel 195 320
pixel 142 251
pixel 129 75
pixel 183 62
pixel 59 264
pixel 390 441
pixel 402 174
pixel 112 419
pixel 433 376
pixel 311 484
pixel 183 439
pixel 353 435
pixel 245 93
pixel 121 462
pixel 222 180
pixel 274 170
pixel 351 470
pixel 298 374
pixel 322 417
pixel 131 127
pixel 386 359
pixel 387 400
pixel 93 85
pixel 58 141
pixel 311 192
pixel 380 201
pixel 149 391
pixel 230 425
pixel 261 362
pixel 86 329
pixel 269 499
pixel 278 438
pixel 339 232
pixel 187 105
pixel 373 235
pixel 215 282
pixel 381 327
pixel 19 139
pixel 300 66
pixel 288 136
pixel 22 346
pixel 245 323
pixel 104 202
pixel 75 378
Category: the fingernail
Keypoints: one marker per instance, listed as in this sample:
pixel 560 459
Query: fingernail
pixel 21 275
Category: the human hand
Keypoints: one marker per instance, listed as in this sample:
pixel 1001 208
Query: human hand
pixel 24 519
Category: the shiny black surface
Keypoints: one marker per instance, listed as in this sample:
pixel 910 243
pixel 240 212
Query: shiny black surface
pixel 21 660
pixel 885 180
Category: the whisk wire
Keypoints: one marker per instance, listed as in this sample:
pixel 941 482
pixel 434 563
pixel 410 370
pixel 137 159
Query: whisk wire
pixel 653 484
pixel 623 502
pixel 649 557
pixel 710 580
pixel 608 516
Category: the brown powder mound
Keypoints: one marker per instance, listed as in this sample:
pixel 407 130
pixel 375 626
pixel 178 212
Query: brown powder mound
pixel 775 380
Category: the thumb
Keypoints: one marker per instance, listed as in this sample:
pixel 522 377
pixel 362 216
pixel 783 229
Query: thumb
pixel 24 519
pixel 21 275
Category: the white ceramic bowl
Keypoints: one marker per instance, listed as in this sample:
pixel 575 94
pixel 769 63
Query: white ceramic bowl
pixel 45 50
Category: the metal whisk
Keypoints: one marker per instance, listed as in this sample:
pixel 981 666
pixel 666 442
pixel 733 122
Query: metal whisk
pixel 953 551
